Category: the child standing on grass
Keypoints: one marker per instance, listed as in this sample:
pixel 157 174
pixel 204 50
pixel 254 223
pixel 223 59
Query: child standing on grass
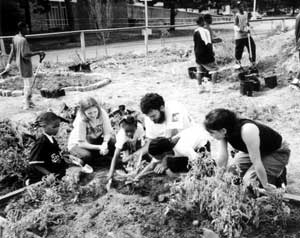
pixel 129 140
pixel 205 57
pixel 45 156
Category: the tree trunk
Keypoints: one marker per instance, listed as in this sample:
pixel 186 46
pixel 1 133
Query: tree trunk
pixel 70 14
pixel 27 15
pixel 1 14
pixel 172 16
pixel 101 12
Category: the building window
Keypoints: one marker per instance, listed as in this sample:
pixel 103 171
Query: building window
pixel 58 17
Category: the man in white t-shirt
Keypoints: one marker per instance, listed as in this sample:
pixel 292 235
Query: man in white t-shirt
pixel 175 153
pixel 163 119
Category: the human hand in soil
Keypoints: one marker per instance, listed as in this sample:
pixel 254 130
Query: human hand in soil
pixel 103 149
pixel 270 188
pixel 160 168
pixel 127 158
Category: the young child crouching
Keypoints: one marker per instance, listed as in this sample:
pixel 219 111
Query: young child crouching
pixel 45 156
pixel 129 140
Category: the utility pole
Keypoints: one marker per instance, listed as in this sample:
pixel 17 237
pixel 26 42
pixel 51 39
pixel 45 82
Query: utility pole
pixel 146 27
pixel 254 9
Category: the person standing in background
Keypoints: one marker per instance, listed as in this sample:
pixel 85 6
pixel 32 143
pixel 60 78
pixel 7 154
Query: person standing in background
pixel 21 52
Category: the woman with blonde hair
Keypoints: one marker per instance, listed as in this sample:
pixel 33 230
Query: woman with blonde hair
pixel 92 133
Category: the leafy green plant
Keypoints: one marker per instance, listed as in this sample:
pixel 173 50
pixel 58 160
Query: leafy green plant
pixel 228 207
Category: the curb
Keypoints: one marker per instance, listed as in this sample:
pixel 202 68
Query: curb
pixel 18 93
pixel 90 87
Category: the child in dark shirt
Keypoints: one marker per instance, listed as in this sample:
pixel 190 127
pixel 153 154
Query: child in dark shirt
pixel 45 156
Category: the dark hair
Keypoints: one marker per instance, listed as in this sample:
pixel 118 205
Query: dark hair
pixel 220 118
pixel 159 146
pixel 21 25
pixel 239 5
pixel 200 21
pixel 151 101
pixel 207 18
pixel 129 120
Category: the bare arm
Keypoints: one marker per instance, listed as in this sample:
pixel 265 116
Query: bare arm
pixel 144 149
pixel 11 54
pixel 250 135
pixel 149 167
pixel 113 163
pixel 222 160
pixel 89 146
pixel 41 169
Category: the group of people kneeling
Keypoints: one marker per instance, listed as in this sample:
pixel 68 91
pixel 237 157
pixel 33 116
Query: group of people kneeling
pixel 168 139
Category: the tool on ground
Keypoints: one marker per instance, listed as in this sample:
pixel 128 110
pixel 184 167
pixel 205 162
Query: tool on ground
pixel 250 47
pixel 37 70
pixel 85 169
pixel 108 185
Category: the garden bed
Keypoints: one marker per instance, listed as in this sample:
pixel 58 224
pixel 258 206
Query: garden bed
pixel 54 81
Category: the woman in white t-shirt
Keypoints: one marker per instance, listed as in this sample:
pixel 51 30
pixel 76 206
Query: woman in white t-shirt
pixel 91 135
pixel 129 139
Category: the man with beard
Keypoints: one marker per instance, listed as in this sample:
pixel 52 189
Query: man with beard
pixel 162 119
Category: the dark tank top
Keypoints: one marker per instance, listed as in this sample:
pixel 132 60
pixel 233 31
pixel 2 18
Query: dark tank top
pixel 270 140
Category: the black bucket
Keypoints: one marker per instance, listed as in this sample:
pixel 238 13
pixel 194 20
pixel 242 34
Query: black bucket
pixel 192 72
pixel 255 81
pixel 256 85
pixel 246 87
pixel 52 93
pixel 271 82
pixel 85 67
pixel 75 68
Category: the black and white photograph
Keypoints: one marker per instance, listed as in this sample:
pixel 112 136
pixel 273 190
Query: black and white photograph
pixel 149 118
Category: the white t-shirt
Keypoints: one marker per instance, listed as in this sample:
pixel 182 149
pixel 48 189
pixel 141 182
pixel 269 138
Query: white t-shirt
pixel 176 118
pixel 191 139
pixel 82 130
pixel 121 137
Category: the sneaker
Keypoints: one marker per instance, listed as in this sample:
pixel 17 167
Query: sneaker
pixel 26 107
pixel 31 104
pixel 238 64
pixel 295 82
pixel 87 169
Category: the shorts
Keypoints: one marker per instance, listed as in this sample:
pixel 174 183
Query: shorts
pixel 207 68
pixel 274 165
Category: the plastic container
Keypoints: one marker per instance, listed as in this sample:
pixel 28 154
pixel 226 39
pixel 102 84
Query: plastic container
pixel 75 68
pixel 52 93
pixel 271 81
pixel 246 88
pixel 192 72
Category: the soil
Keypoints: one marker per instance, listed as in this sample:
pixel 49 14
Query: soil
pixel 137 211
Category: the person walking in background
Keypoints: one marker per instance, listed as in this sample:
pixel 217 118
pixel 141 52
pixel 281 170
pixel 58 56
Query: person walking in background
pixel 297 34
pixel 21 52
pixel 205 57
pixel 242 36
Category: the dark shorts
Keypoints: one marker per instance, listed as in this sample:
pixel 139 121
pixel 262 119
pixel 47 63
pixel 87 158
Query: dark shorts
pixel 274 165
pixel 93 157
